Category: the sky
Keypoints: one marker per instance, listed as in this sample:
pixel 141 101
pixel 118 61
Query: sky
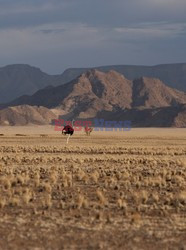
pixel 59 34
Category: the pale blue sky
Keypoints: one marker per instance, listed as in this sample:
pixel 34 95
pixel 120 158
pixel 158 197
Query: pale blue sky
pixel 58 34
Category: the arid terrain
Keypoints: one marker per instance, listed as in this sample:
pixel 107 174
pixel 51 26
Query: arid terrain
pixel 110 190
pixel 22 79
pixel 146 102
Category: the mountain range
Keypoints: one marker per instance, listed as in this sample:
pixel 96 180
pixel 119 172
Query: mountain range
pixel 20 79
pixel 25 115
pixel 144 101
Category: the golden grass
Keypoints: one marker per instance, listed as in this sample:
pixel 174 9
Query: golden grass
pixel 109 186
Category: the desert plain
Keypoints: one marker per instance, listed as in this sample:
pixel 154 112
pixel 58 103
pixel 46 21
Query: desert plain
pixel 110 190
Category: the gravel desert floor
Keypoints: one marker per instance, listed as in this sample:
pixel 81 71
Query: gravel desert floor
pixel 109 190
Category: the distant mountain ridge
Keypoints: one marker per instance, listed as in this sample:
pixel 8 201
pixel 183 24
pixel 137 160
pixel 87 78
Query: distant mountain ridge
pixel 21 79
pixel 17 80
pixel 25 115
pixel 109 95
pixel 144 101
pixel 173 75
pixel 172 116
pixel 109 90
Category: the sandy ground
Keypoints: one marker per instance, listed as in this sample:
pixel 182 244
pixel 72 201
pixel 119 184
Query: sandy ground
pixel 51 130
pixel 110 190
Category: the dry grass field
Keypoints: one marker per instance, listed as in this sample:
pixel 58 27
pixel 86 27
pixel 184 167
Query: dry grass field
pixel 112 190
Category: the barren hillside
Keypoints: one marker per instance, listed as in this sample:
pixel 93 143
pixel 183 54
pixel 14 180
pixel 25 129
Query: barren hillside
pixel 24 115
